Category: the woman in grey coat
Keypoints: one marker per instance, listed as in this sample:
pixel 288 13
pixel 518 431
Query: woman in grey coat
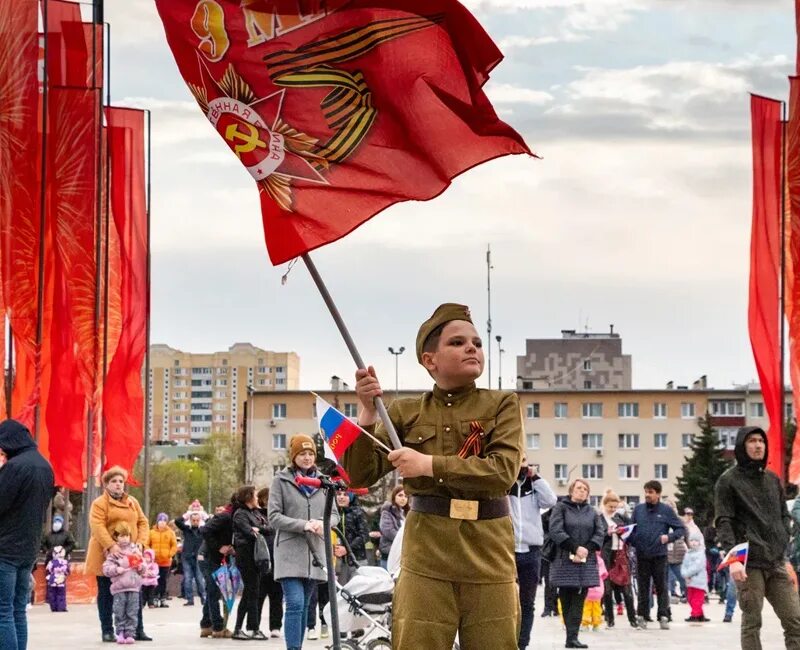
pixel 295 513
pixel 578 531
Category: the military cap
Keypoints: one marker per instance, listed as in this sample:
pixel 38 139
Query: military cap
pixel 443 314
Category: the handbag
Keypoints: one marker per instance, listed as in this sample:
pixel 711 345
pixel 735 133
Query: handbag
pixel 549 549
pixel 620 572
pixel 261 555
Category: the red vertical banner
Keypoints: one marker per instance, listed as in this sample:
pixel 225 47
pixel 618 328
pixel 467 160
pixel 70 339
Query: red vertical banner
pixel 792 248
pixel 765 254
pixel 123 393
pixel 19 192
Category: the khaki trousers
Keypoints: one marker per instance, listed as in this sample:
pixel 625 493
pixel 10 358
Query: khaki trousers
pixel 427 613
pixel 776 586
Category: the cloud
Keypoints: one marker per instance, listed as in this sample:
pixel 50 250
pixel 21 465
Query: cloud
pixel 501 93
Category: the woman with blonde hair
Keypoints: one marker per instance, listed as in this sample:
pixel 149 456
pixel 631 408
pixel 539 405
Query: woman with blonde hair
pixel 578 532
pixel 612 545
pixel 112 507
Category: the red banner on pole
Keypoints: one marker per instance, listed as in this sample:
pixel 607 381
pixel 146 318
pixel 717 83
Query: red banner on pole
pixel 792 252
pixel 123 395
pixel 342 108
pixel 765 252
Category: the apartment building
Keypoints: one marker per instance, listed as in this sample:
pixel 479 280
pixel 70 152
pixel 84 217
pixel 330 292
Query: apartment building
pixel 194 395
pixel 613 439
pixel 576 361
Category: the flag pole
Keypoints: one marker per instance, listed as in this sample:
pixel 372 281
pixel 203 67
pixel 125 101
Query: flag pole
pixel 351 346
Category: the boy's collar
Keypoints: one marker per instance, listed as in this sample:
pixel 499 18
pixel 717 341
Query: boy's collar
pixel 454 394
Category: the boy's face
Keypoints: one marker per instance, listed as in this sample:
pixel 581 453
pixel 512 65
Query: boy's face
pixel 458 359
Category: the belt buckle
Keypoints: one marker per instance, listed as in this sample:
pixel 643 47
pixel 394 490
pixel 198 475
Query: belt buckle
pixel 464 509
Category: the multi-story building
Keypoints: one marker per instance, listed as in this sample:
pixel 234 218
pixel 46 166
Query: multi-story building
pixel 613 439
pixel 576 361
pixel 194 395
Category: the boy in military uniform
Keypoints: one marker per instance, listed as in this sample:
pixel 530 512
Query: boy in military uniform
pixel 461 454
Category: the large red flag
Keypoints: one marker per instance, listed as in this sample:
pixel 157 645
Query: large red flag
pixel 765 252
pixel 19 192
pixel 340 108
pixel 123 395
pixel 792 256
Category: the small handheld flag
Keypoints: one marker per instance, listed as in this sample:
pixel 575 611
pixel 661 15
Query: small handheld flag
pixel 624 532
pixel 737 554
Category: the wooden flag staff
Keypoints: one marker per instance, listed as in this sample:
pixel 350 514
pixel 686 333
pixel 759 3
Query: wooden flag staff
pixel 351 346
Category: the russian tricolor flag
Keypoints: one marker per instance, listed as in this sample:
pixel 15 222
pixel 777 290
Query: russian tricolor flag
pixel 624 532
pixel 338 431
pixel 737 554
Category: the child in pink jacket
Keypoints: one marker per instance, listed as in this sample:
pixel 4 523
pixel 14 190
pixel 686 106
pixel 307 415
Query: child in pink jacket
pixel 149 577
pixel 592 606
pixel 125 569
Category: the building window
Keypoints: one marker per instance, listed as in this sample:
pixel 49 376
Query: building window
pixel 532 440
pixel 592 440
pixel 201 393
pixel 177 364
pixel 757 409
pixel 560 409
pixel 532 411
pixel 686 440
pixel 659 410
pixel 632 501
pixel 628 472
pixel 560 440
pixel 661 471
pixel 279 369
pixel 280 381
pixel 278 441
pixel 221 394
pixel 592 472
pixel 592 409
pixel 587 384
pixel 628 440
pixel 660 440
pixel 263 370
pixel 628 409
pixel 262 382
pixel 220 418
pixel 594 500
pixel 587 365
pixel 278 411
pixel 687 409
pixel 727 408
pixel 560 471
pixel 222 382
pixel 224 362
pixel 351 410
pixel 527 385
pixel 727 437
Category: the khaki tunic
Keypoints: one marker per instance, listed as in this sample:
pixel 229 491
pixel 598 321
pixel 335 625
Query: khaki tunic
pixel 438 424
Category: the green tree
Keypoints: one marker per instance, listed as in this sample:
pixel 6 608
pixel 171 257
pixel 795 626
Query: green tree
pixel 223 457
pixel 701 471
pixel 173 485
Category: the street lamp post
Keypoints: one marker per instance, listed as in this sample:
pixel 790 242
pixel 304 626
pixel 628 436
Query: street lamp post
pixel 396 369
pixel 500 351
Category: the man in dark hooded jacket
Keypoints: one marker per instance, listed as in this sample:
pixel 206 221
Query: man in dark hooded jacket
pixel 750 507
pixel 26 487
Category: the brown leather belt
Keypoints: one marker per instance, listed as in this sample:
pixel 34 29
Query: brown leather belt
pixel 471 510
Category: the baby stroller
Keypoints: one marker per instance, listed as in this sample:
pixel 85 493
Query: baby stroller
pixel 365 604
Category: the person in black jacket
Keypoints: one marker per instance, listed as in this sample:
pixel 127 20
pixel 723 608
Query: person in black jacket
pixel 578 532
pixel 269 587
pixel 750 507
pixel 248 523
pixel 353 524
pixel 192 538
pixel 26 487
pixel 217 544
pixel 57 537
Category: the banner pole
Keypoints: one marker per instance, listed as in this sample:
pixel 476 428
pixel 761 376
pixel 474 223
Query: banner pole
pixel 106 234
pixel 351 346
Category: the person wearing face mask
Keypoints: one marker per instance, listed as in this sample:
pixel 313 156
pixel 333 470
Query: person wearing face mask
pixel 578 532
pixel 57 537
pixel 295 513
pixel 529 495
pixel 26 485
pixel 109 509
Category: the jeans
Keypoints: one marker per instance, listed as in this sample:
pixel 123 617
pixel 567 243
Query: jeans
pixel 191 576
pixel 296 595
pixel 572 610
pixel 15 588
pixel 676 577
pixel 105 608
pixel 774 585
pixel 319 598
pixel 528 570
pixel 730 598
pixel 655 569
pixel 211 615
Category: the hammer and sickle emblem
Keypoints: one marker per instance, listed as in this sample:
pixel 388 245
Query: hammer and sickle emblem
pixel 249 141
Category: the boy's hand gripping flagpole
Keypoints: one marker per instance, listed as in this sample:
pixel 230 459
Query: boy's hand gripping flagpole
pixel 337 318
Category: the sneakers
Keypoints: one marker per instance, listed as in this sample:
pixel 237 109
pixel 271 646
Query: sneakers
pixel 312 635
pixel 258 635
pixel 324 632
pixel 641 623
pixel 728 618
pixel 206 632
pixel 163 603
pixel 121 639
pixel 663 623
pixel 240 635
pixel 275 634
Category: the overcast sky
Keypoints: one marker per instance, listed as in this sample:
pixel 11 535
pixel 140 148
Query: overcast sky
pixel 638 214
